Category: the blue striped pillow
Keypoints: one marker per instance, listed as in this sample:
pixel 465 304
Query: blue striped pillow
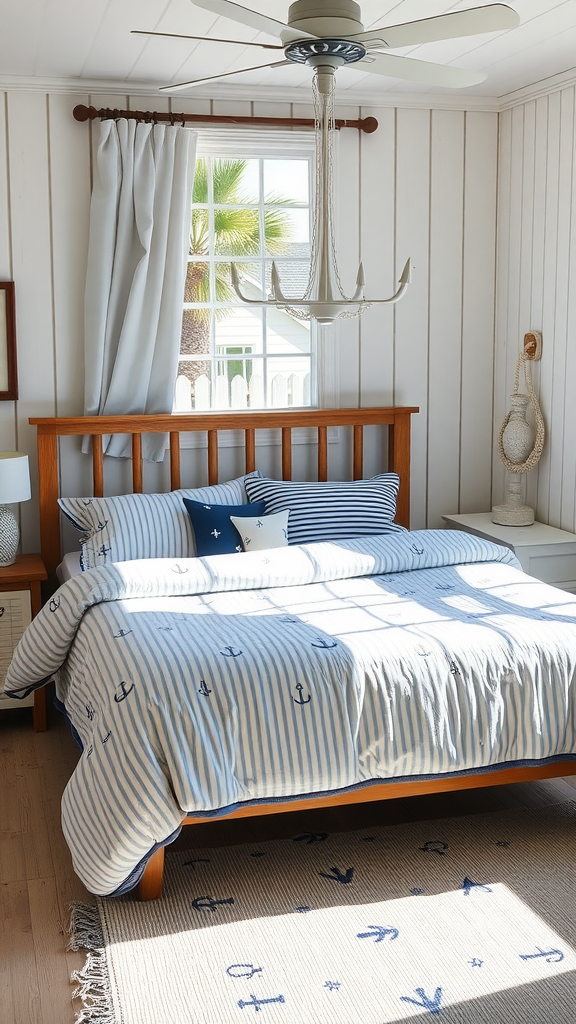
pixel 127 526
pixel 332 510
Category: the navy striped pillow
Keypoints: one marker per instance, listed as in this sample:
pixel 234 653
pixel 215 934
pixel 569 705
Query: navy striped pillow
pixel 332 510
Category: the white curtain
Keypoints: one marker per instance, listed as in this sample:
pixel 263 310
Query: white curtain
pixel 139 237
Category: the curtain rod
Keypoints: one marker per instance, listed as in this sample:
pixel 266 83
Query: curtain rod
pixel 83 113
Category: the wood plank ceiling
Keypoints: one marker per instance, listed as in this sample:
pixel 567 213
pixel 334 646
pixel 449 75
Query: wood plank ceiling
pixel 88 43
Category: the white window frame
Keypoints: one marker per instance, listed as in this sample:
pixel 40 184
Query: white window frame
pixel 259 144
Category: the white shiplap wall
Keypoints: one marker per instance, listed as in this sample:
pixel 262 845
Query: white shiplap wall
pixel 424 185
pixel 536 287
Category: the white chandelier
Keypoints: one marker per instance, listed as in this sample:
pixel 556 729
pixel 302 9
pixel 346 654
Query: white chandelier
pixel 326 35
pixel 324 299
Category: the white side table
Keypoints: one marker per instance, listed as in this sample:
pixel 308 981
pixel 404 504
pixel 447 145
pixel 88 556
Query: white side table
pixel 543 551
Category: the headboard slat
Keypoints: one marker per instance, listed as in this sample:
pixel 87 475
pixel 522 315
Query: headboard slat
pixel 212 456
pixel 97 465
pixel 174 460
pixel 322 453
pixel 137 463
pixel 286 453
pixel 250 449
pixel 358 458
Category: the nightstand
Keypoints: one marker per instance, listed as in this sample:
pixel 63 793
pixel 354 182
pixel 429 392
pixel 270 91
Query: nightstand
pixel 543 551
pixel 20 601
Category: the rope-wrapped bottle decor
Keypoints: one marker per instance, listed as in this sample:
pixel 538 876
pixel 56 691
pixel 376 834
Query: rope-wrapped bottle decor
pixel 520 448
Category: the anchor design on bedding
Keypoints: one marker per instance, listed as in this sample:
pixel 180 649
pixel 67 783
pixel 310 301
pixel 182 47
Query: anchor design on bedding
pixel 229 652
pixel 179 570
pixel 432 1005
pixel 121 633
pixel 122 692
pixel 299 699
pixel 54 604
pixel 203 689
pixel 324 644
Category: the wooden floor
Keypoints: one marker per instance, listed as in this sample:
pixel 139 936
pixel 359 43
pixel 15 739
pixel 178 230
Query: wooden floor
pixel 37 881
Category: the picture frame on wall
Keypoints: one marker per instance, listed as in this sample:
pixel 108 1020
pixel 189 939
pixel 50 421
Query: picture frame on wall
pixel 8 368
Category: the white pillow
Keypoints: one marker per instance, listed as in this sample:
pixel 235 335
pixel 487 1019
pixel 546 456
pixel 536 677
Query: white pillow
pixel 260 532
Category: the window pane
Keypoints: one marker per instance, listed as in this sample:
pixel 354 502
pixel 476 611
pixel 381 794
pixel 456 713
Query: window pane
pixel 288 382
pixel 293 277
pixel 287 335
pixel 241 326
pixel 236 232
pixel 197 287
pixel 235 181
pixel 250 281
pixel 238 383
pixel 286 178
pixel 287 232
pixel 195 338
pixel 199 236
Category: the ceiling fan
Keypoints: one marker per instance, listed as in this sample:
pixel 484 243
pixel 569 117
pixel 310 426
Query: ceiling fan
pixel 327 35
pixel 321 32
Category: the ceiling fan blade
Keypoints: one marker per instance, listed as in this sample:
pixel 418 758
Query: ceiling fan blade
pixel 214 78
pixel 492 18
pixel 395 66
pixel 259 22
pixel 205 39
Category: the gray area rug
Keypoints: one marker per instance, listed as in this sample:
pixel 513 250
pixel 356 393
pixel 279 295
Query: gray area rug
pixel 469 919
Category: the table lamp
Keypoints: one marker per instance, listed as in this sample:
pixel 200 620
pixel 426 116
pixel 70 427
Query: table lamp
pixel 14 486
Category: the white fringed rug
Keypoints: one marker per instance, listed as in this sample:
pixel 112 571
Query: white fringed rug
pixel 470 920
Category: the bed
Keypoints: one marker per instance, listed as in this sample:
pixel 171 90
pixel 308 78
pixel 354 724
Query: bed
pixel 355 664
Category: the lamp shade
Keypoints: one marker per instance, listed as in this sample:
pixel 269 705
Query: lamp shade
pixel 14 478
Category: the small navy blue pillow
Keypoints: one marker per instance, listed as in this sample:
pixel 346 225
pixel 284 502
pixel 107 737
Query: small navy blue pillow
pixel 215 534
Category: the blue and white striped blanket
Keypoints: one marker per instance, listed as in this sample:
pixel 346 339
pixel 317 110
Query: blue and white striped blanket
pixel 196 684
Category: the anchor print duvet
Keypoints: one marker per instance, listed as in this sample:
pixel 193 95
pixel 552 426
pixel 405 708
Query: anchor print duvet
pixel 194 685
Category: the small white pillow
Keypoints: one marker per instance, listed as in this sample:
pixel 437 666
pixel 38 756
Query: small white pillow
pixel 260 532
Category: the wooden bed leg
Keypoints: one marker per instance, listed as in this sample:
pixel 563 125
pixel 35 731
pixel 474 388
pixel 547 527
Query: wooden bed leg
pixel 150 885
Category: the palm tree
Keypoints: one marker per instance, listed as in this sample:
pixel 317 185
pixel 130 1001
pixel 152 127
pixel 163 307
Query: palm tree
pixel 236 233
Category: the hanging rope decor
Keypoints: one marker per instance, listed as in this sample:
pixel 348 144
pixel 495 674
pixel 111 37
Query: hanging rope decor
pixel 533 458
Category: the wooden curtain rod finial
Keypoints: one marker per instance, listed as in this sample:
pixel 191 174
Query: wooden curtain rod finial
pixel 84 113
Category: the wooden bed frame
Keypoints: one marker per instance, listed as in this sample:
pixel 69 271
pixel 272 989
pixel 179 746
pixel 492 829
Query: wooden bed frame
pixel 398 421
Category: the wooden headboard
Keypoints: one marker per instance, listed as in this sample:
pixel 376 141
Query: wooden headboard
pixel 49 430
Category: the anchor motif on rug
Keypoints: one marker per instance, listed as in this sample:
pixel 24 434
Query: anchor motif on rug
pixel 339 876
pixel 208 904
pixel 299 699
pixel 432 1005
pixel 467 886
pixel 122 692
pixel 378 933
pixel 552 956
pixel 434 846
pixel 243 970
pixel 259 1003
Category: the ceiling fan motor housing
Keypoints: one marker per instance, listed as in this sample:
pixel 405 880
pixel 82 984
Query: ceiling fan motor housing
pixel 338 19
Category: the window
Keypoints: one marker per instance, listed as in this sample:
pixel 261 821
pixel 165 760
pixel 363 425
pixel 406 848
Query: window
pixel 252 204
